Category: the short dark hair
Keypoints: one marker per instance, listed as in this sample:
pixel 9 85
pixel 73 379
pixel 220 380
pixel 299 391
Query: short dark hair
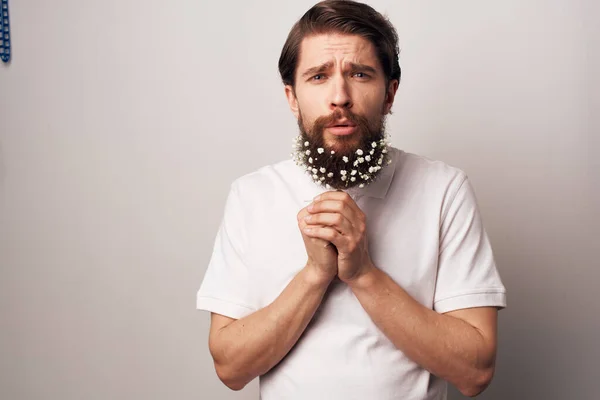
pixel 346 17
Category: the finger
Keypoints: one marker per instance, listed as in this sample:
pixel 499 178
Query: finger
pixel 334 220
pixel 328 234
pixel 333 206
pixel 341 196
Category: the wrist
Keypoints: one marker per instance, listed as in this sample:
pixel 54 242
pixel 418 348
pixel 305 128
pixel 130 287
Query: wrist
pixel 363 278
pixel 314 276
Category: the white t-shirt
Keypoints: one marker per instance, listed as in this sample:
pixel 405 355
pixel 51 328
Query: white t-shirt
pixel 424 230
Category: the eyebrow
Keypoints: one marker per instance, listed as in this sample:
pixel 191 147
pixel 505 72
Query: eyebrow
pixel 325 66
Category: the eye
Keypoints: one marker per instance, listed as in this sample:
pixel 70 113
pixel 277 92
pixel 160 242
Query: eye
pixel 318 77
pixel 361 75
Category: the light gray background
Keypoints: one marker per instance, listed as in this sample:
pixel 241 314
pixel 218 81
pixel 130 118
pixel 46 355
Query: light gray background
pixel 122 124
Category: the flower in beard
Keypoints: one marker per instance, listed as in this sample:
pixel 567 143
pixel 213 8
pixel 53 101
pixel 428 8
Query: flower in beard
pixel 352 160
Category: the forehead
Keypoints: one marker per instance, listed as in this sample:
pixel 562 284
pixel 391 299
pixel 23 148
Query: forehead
pixel 336 47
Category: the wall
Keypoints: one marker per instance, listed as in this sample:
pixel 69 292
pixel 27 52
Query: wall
pixel 122 124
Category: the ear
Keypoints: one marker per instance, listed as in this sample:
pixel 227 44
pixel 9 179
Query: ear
pixel 389 96
pixel 292 100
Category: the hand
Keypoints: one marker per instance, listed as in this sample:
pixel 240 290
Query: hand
pixel 335 217
pixel 322 254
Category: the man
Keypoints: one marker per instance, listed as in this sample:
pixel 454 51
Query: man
pixel 355 270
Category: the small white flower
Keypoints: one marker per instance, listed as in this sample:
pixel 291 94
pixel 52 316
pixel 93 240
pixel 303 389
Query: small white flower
pixel 345 159
pixel 374 145
pixel 359 152
pixel 329 175
pixel 315 176
pixel 371 169
pixel 384 151
pixel 323 170
pixel 306 144
pixel 314 170
pixel 368 157
pixel 332 152
pixel 310 160
pixel 362 185
pixel 355 163
pixel 366 177
pixel 327 186
pixel 343 177
pixel 352 179
pixel 343 172
pixel 380 161
pixel 361 160
pixel 307 152
pixel 322 178
pixel 353 172
pixel 372 152
pixel 320 150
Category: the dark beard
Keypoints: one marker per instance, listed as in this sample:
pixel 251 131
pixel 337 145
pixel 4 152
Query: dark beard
pixel 349 163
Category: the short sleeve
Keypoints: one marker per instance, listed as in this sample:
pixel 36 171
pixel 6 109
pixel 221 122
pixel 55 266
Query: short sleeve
pixel 467 273
pixel 225 288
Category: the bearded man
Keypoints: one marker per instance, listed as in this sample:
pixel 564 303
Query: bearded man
pixel 355 270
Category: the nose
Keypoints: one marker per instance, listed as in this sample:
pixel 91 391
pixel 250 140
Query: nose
pixel 340 97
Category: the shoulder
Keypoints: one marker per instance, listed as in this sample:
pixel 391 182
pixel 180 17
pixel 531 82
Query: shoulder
pixel 266 180
pixel 421 171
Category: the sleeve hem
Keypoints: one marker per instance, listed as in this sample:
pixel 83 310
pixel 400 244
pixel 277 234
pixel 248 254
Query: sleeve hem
pixel 483 298
pixel 223 307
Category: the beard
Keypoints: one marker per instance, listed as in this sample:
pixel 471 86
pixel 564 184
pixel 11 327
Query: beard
pixel 352 160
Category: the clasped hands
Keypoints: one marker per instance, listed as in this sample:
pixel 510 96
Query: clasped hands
pixel 334 231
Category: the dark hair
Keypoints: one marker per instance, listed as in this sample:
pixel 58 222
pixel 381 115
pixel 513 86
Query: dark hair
pixel 346 17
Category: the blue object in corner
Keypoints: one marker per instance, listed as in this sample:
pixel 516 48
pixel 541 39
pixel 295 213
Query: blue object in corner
pixel 4 32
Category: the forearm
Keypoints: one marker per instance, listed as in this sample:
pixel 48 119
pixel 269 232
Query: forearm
pixel 447 347
pixel 252 345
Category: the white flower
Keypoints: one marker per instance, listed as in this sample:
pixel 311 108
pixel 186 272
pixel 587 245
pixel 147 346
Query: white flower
pixel 327 186
pixel 380 161
pixel 320 150
pixel 323 170
pixel 353 172
pixel 306 144
pixel 368 157
pixel 345 159
pixel 314 170
pixel 322 178
pixel 329 175
pixel 315 176
pixel 355 163
pixel 332 152
pixel 374 145
pixel 361 160
pixel 310 160
pixel 362 185
pixel 371 169
pixel 372 152
pixel 343 177
pixel 307 152
pixel 359 152
pixel 384 151
pixel 352 179
pixel 343 172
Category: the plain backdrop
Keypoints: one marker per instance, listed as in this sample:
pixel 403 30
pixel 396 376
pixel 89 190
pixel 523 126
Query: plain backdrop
pixel 123 123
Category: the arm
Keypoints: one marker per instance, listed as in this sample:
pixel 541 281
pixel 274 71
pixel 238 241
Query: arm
pixel 248 347
pixel 459 346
